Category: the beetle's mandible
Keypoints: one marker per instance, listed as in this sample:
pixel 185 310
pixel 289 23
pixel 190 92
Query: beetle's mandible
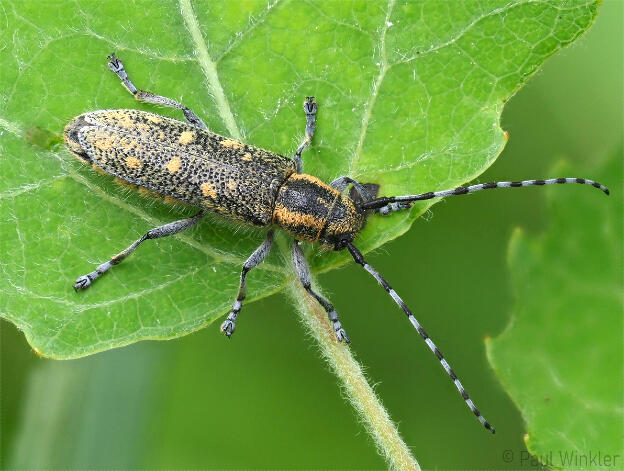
pixel 188 162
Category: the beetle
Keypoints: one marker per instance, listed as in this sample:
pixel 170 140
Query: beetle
pixel 254 186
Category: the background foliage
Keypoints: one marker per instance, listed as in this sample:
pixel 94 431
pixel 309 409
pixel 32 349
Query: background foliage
pixel 130 408
pixel 560 353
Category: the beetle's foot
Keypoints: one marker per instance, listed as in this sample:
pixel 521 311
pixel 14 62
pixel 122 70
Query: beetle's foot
pixel 392 207
pixel 115 64
pixel 309 106
pixel 84 281
pixel 341 334
pixel 228 326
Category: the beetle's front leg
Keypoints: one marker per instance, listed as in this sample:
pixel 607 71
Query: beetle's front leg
pixel 309 106
pixel 303 272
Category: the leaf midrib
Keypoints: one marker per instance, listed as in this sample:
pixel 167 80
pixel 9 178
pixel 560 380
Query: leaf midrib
pixel 209 69
pixel 368 108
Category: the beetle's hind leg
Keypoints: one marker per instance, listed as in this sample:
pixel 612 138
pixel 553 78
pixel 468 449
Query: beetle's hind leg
pixel 253 261
pixel 84 281
pixel 117 66
pixel 303 272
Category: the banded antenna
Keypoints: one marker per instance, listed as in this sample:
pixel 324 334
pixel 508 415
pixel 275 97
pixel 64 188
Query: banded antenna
pixel 357 256
pixel 394 203
pixel 462 190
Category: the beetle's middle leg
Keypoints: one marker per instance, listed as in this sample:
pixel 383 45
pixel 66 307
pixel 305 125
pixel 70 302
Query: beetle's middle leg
pixel 309 106
pixel 253 261
pixel 171 228
pixel 117 66
pixel 303 272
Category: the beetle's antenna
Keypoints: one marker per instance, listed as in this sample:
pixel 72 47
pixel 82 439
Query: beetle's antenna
pixel 462 190
pixel 357 256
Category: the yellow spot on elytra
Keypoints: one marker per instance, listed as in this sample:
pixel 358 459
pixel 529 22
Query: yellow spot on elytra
pixel 161 135
pixel 127 144
pixel 133 162
pixel 174 165
pixel 142 126
pixel 231 144
pixel 208 189
pixel 186 137
pixel 104 144
pixel 247 157
pixel 122 118
pixel 232 185
pixel 154 119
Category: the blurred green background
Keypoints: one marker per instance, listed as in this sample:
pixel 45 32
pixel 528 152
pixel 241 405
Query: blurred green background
pixel 266 400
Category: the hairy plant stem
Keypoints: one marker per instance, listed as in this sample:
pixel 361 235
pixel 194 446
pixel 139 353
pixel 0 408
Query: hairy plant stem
pixel 357 389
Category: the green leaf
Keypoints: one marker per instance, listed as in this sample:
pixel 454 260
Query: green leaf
pixel 560 357
pixel 410 97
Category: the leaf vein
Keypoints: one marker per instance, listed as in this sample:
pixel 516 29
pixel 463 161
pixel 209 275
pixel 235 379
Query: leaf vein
pixel 11 127
pixel 13 192
pixel 368 108
pixel 209 68
pixel 250 27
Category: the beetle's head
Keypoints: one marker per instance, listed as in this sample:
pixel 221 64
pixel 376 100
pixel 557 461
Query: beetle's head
pixel 343 224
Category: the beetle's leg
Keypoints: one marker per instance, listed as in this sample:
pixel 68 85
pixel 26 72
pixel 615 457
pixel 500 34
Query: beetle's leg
pixel 171 228
pixel 117 66
pixel 253 261
pixel 364 193
pixel 392 207
pixel 361 193
pixel 309 106
pixel 303 272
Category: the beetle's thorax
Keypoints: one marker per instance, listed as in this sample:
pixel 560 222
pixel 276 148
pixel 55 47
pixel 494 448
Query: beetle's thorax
pixel 313 211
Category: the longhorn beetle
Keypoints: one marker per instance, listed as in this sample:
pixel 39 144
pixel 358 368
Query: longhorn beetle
pixel 251 185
